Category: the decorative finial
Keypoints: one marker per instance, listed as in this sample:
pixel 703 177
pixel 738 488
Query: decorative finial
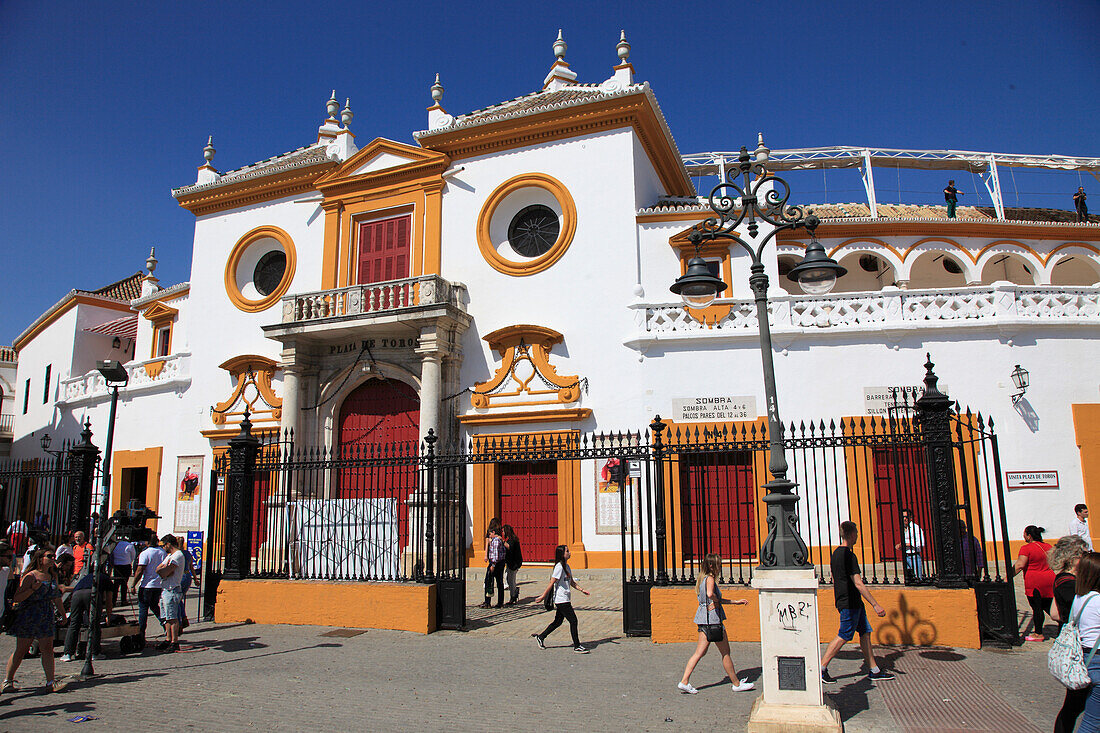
pixel 151 262
pixel 346 115
pixel 333 106
pixel 762 152
pixel 623 48
pixel 208 151
pixel 559 46
pixel 437 90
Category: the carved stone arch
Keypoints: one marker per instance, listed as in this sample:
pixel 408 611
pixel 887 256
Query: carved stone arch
pixel 1021 264
pixel 336 390
pixel 849 254
pixel 1083 261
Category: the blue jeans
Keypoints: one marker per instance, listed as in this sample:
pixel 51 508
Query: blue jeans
pixel 148 600
pixel 915 564
pixel 1090 721
pixel 852 621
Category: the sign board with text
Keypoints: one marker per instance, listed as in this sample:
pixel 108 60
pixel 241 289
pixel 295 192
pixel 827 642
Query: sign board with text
pixel 879 400
pixel 1031 480
pixel 714 409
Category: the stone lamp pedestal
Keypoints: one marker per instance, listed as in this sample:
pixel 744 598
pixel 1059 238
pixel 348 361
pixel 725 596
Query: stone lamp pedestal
pixel 790 649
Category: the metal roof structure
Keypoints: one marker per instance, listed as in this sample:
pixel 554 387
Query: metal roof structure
pixel 984 164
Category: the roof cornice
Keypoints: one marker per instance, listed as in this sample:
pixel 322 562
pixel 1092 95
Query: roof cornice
pixel 71 299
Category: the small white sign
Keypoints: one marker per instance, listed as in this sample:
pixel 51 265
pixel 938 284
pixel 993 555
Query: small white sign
pixel 714 409
pixel 1031 479
pixel 878 400
pixel 635 468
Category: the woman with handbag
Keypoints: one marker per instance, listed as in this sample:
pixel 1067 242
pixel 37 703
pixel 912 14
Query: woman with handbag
pixel 1063 561
pixel 513 561
pixel 561 580
pixel 36 600
pixel 1038 578
pixel 709 617
pixel 1087 616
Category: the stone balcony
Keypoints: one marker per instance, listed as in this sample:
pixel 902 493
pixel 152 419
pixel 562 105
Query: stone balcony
pixel 331 314
pixel 151 375
pixel 890 314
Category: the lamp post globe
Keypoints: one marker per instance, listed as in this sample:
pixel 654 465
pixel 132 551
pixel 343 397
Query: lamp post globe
pixel 697 286
pixel 816 272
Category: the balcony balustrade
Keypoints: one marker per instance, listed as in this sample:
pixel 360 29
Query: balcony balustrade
pixel 374 299
pixel 150 375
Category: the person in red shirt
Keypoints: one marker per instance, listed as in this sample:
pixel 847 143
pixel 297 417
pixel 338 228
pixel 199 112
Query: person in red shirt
pixel 1038 578
pixel 82 550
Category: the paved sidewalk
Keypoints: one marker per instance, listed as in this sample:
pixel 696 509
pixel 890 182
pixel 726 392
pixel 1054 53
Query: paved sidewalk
pixel 293 678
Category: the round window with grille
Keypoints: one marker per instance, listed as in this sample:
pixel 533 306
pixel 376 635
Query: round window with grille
pixel 269 272
pixel 533 230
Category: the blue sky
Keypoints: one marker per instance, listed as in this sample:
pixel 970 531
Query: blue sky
pixel 106 106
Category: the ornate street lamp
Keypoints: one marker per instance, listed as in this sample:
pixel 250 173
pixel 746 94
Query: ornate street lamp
pixel 45 441
pixel 1021 380
pixel 116 377
pixel 762 197
pixel 789 641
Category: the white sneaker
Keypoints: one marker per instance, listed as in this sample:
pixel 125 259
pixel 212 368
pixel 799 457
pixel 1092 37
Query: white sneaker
pixel 687 688
pixel 743 686
pixel 66 657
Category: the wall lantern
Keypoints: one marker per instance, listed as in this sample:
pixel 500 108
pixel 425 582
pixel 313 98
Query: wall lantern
pixel 1021 380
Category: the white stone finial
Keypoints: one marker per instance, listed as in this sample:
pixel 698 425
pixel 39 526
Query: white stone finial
pixel 623 49
pixel 333 106
pixel 762 152
pixel 437 90
pixel 559 46
pixel 151 262
pixel 346 115
pixel 208 151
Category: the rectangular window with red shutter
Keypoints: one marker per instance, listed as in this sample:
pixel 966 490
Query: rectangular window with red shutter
pixel 384 246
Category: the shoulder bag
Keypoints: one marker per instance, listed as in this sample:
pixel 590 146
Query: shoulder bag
pixel 1066 660
pixel 715 631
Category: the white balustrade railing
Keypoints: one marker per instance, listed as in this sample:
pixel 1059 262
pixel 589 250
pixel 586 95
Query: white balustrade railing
pixel 372 298
pixel 888 307
pixel 152 374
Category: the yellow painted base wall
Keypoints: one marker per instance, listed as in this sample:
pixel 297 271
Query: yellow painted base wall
pixel 917 616
pixel 397 606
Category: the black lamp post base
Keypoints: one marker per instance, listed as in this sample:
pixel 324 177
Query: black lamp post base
pixel 783 547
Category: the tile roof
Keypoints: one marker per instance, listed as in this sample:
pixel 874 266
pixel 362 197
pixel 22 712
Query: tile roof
pixel 7 353
pixel 126 289
pixel 301 158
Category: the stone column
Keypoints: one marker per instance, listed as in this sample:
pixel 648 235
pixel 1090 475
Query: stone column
pixel 290 411
pixel 431 382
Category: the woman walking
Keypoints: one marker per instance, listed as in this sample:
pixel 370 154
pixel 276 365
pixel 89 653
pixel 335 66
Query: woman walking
pixel 1038 578
pixel 37 598
pixel 561 580
pixel 1063 561
pixel 513 561
pixel 709 613
pixel 1086 612
pixel 494 565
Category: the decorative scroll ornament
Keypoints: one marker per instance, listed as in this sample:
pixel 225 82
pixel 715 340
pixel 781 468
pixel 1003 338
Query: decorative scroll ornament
pixel 525 376
pixel 252 391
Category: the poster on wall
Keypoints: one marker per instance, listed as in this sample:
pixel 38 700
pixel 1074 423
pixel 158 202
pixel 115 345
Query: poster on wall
pixel 617 482
pixel 188 490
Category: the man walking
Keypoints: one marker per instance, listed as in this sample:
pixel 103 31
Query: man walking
pixel 1080 526
pixel 1080 205
pixel 849 590
pixel 149 583
pixel 913 540
pixel 171 574
pixel 951 196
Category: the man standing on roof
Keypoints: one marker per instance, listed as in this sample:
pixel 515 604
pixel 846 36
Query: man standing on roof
pixel 1079 204
pixel 951 196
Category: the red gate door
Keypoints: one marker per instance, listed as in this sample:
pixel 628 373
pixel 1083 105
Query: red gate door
pixel 380 418
pixel 900 483
pixel 529 502
pixel 718 505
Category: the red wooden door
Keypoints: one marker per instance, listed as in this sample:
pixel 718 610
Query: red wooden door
pixel 529 502
pixel 379 434
pixel 384 250
pixel 900 483
pixel 718 505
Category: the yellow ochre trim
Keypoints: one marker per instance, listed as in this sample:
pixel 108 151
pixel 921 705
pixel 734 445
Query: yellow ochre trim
pixel 235 296
pixel 517 418
pixel 556 251
pixel 69 305
pixel 149 459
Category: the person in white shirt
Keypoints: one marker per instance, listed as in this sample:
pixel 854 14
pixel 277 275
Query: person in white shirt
pixel 1085 610
pixel 171 574
pixel 1080 526
pixel 914 544
pixel 122 563
pixel 148 583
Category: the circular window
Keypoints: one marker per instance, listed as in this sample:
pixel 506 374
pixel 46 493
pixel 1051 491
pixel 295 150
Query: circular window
pixel 533 230
pixel 526 224
pixel 259 269
pixel 269 272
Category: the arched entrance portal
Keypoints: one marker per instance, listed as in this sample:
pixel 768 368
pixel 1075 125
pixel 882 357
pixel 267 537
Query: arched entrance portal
pixel 378 437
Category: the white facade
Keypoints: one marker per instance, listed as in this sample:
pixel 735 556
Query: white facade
pixel 1012 297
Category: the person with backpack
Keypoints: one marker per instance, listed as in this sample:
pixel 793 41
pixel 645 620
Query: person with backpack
pixel 1085 610
pixel 561 580
pixel 513 561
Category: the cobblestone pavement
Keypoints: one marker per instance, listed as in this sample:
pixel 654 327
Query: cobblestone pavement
pixel 291 678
